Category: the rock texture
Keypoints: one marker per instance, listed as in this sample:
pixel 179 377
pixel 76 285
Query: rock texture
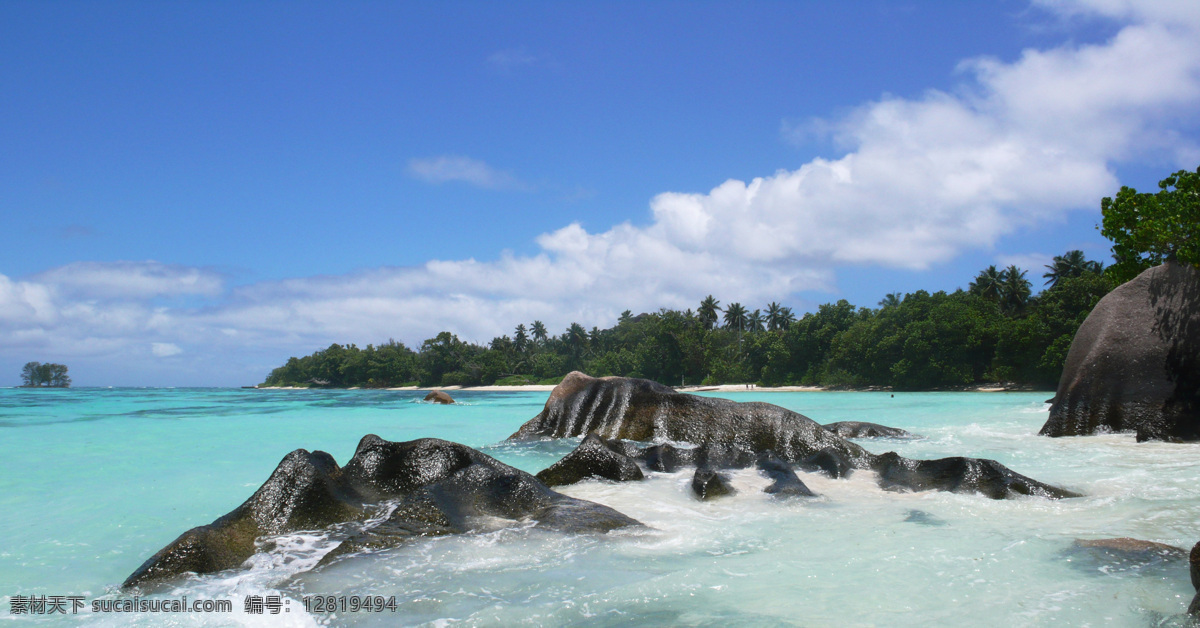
pixel 731 435
pixel 593 458
pixel 439 487
pixel 860 429
pixel 439 396
pixel 1134 364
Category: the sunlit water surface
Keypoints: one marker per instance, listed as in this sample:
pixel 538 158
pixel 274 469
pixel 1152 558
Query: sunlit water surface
pixel 94 481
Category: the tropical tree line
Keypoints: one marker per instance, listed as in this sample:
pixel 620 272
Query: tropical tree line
pixel 49 375
pixel 995 330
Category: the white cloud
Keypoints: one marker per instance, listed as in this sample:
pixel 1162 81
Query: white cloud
pixel 1035 263
pixel 164 349
pixel 1016 144
pixel 131 280
pixel 448 168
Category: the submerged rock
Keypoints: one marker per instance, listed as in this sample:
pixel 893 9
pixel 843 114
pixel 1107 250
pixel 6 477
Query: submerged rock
pixel 441 488
pixel 1133 550
pixel 920 517
pixel 709 484
pixel 860 429
pixel 731 434
pixel 439 396
pixel 593 458
pixel 1134 364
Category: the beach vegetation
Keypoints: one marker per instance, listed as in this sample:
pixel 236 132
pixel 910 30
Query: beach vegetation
pixel 1148 228
pixel 995 330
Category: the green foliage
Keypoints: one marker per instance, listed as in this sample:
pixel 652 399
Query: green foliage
pixel 49 375
pixel 1148 229
pixel 913 341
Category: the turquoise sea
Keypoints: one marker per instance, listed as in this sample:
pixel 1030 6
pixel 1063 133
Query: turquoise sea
pixel 94 481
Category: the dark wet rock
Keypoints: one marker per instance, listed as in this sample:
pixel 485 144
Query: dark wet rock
pixel 861 429
pixel 724 456
pixel 593 458
pixel 829 462
pixel 1194 608
pixel 668 458
pixel 709 484
pixel 1134 364
pixel 785 482
pixel 441 488
pixel 920 517
pixel 960 475
pixel 731 435
pixel 1194 566
pixel 439 396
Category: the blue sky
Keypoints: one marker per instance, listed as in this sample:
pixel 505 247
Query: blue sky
pixel 192 192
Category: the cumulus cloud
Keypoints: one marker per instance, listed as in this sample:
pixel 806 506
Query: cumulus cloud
pixel 1016 144
pixel 449 168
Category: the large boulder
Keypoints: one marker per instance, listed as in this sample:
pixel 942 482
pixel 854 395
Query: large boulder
pixel 441 487
pixel 730 434
pixel 642 410
pixel 1134 364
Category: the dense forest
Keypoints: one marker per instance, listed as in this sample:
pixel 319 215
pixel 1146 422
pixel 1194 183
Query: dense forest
pixel 994 331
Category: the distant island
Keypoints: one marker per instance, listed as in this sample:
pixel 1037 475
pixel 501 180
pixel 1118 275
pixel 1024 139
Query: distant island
pixel 49 375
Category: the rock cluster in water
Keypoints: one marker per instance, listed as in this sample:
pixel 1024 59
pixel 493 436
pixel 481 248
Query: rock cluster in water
pixel 730 434
pixel 1134 364
pixel 437 488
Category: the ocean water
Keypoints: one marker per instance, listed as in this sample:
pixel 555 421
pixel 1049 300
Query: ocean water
pixel 94 481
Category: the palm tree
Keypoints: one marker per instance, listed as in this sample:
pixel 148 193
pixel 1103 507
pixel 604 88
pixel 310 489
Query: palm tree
pixel 786 318
pixel 735 317
pixel 539 332
pixel 1015 290
pixel 754 322
pixel 708 311
pixel 520 339
pixel 1071 264
pixel 779 317
pixel 990 283
pixel 891 299
pixel 577 339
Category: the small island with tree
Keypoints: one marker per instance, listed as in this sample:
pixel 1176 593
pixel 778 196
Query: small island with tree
pixel 49 375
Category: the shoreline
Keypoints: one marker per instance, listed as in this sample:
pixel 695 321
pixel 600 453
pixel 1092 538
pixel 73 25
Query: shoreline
pixel 724 388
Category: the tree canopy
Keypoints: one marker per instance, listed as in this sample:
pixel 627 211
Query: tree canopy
pixel 995 331
pixel 49 375
pixel 1147 228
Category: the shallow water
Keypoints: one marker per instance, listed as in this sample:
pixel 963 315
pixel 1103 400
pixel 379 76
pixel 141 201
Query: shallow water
pixel 94 481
